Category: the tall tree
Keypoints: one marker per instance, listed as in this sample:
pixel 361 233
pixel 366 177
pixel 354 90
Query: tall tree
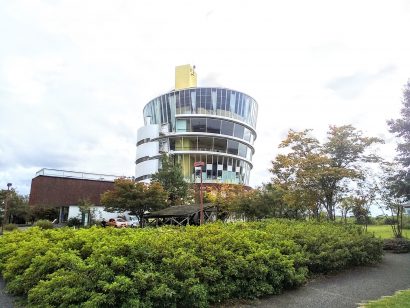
pixel 401 129
pixel 397 185
pixel 393 194
pixel 87 210
pixel 298 172
pixel 364 195
pixel 137 198
pixel 14 206
pixel 225 198
pixel 346 147
pixel 315 176
pixel 172 180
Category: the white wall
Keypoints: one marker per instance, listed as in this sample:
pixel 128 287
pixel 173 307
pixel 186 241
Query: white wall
pixel 99 213
pixel 148 149
pixel 146 167
pixel 148 131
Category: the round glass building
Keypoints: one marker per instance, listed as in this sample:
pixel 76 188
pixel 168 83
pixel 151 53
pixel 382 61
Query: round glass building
pixel 212 125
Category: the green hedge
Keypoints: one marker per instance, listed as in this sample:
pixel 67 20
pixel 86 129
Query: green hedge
pixel 175 266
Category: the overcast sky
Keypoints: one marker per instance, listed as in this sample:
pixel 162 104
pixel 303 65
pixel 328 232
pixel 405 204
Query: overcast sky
pixel 76 74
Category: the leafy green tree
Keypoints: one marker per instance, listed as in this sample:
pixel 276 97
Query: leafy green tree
pixel 393 195
pixel 361 213
pixel 397 185
pixel 172 180
pixel 296 174
pixel 137 198
pixel 38 212
pixel 87 210
pixel 347 150
pixel 401 129
pixel 263 202
pixel 271 201
pixel 15 206
pixel 346 205
pixel 314 176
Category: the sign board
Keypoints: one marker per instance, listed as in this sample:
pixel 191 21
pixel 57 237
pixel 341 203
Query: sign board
pixel 199 164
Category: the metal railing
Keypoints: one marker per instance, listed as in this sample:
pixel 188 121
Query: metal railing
pixel 77 175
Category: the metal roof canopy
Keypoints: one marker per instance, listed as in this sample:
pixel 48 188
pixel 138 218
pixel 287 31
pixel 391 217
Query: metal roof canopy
pixel 181 215
pixel 180 211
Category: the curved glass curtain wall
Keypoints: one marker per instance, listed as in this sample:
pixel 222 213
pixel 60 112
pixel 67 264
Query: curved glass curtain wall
pixel 210 144
pixel 214 126
pixel 217 168
pixel 207 101
pixel 221 165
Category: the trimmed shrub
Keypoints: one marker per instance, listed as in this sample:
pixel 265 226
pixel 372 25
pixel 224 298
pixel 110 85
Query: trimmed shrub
pixel 44 224
pixel 397 245
pixel 74 222
pixel 175 266
pixel 10 227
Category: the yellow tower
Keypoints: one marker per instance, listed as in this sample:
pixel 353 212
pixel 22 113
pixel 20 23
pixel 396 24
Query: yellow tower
pixel 185 77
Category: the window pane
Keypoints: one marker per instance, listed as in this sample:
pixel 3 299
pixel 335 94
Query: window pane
pixel 214 126
pixel 198 125
pixel 208 101
pixel 220 145
pixel 177 103
pixel 193 101
pixel 181 125
pixel 247 135
pixel 239 130
pixel 185 102
pixel 233 147
pixel 242 150
pixel 189 143
pixel 227 128
pixel 205 144
pixel 178 144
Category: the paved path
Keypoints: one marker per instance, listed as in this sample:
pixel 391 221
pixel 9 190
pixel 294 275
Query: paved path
pixel 346 289
pixel 6 301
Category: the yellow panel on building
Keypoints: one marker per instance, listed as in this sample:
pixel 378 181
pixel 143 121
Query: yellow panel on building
pixel 185 77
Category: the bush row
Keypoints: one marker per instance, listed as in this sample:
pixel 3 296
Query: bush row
pixel 175 267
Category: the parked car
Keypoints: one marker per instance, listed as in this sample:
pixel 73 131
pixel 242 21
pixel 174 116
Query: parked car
pixel 133 221
pixel 117 223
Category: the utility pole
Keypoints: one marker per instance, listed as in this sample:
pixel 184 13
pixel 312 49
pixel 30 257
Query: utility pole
pixel 198 166
pixel 6 207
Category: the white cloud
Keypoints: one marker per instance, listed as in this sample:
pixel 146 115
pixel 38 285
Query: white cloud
pixel 75 75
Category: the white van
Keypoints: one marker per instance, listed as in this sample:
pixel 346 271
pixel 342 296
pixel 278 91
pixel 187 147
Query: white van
pixel 133 221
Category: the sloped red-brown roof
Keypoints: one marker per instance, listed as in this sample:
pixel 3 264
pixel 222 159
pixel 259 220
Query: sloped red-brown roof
pixel 60 191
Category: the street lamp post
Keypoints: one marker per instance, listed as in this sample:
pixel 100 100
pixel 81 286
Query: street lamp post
pixel 199 165
pixel 5 207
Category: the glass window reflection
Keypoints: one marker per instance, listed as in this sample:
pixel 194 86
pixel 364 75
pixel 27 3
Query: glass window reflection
pixel 227 128
pixel 233 147
pixel 198 125
pixel 220 145
pixel 205 143
pixel 242 150
pixel 214 126
pixel 239 131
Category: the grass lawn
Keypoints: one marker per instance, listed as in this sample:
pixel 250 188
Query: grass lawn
pixel 385 231
pixel 399 299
